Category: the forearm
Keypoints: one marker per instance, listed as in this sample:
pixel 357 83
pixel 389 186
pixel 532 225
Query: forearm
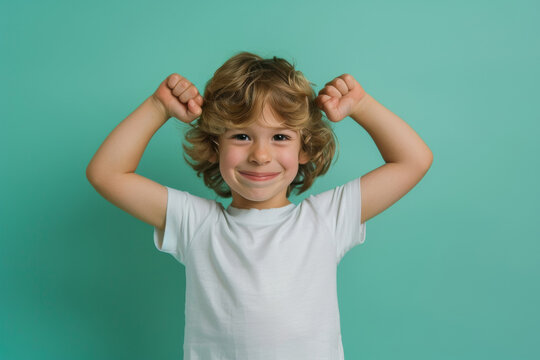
pixel 123 148
pixel 395 139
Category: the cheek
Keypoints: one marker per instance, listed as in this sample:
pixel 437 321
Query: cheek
pixel 289 159
pixel 231 157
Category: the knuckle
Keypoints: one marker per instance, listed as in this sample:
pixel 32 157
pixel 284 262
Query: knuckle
pixel 188 94
pixel 184 84
pixel 178 78
pixel 172 81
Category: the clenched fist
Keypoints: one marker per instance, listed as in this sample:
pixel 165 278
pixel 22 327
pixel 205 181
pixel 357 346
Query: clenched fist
pixel 339 97
pixel 178 97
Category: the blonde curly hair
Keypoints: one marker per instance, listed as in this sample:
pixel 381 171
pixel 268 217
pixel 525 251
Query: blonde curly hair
pixel 235 97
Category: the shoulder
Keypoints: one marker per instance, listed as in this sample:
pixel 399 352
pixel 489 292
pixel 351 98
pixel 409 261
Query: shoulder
pixel 334 196
pixel 186 200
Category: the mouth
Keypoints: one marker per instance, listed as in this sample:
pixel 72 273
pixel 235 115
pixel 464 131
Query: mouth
pixel 258 176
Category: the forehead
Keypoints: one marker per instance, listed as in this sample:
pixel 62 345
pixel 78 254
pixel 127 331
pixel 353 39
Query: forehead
pixel 268 120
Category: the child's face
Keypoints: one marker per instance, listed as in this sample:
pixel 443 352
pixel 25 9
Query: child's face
pixel 260 148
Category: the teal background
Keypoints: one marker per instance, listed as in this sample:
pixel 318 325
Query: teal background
pixel 451 271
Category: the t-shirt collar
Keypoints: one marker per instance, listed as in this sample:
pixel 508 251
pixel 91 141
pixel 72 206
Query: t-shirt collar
pixel 260 215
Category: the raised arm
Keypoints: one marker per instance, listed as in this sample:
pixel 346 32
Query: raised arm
pixel 407 157
pixel 112 168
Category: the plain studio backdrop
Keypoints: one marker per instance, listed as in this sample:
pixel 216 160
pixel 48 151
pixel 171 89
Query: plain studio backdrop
pixel 449 272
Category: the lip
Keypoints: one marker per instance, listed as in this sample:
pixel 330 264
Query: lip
pixel 258 176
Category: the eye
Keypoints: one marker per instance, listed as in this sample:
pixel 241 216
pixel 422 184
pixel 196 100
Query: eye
pixel 284 137
pixel 237 136
pixel 278 137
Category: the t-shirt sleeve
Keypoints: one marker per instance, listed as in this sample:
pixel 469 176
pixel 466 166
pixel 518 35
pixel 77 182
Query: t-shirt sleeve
pixel 341 209
pixel 186 214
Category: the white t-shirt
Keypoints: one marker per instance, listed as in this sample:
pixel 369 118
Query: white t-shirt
pixel 261 284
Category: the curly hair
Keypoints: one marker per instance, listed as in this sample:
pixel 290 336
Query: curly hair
pixel 235 97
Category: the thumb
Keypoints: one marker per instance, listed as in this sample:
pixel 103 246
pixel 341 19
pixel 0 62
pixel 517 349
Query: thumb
pixel 330 105
pixel 185 112
pixel 194 110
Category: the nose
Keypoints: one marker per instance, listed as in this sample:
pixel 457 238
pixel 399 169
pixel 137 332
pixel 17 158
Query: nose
pixel 260 153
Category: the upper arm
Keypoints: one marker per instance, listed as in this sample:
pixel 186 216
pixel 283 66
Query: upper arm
pixel 382 187
pixel 139 196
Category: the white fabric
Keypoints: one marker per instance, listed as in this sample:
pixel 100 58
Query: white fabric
pixel 261 284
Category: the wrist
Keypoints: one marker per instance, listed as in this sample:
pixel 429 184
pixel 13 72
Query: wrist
pixel 158 105
pixel 360 107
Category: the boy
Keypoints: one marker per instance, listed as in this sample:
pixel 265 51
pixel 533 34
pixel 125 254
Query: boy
pixel 261 274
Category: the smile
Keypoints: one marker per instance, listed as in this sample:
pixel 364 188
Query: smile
pixel 259 176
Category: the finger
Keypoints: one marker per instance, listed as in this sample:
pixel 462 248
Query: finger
pixel 181 87
pixel 199 100
pixel 349 80
pixel 193 108
pixel 320 99
pixel 190 93
pixel 173 80
pixel 332 91
pixel 341 85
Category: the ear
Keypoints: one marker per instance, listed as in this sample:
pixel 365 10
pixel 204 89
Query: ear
pixel 213 159
pixel 303 157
